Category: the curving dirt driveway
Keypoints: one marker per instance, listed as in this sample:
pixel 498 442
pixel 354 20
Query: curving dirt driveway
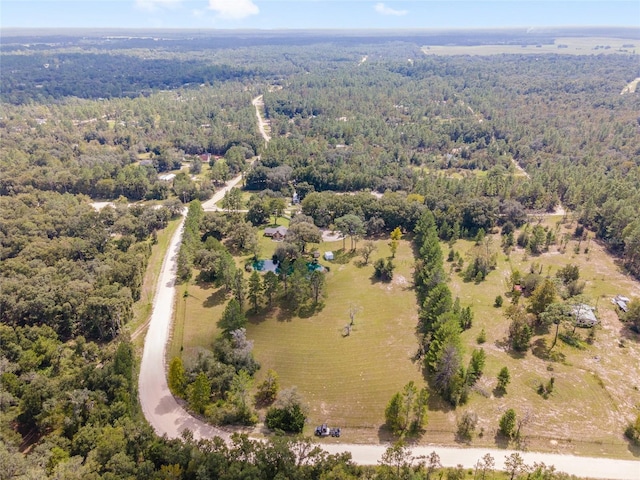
pixel 168 417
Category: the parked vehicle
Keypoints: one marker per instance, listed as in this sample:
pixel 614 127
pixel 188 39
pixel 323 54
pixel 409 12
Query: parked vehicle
pixel 324 431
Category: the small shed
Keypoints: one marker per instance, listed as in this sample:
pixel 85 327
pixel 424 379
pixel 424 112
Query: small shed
pixel 167 177
pixel 328 256
pixel 585 315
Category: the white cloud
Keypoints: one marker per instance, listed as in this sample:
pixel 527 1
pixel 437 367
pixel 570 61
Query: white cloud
pixel 382 9
pixel 233 9
pixel 153 5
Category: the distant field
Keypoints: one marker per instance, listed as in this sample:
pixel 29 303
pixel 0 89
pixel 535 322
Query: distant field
pixel 562 45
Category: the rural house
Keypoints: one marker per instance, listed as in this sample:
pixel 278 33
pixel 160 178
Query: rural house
pixel 276 233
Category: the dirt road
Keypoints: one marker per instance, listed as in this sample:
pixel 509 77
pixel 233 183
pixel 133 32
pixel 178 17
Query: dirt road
pixel 262 124
pixel 586 467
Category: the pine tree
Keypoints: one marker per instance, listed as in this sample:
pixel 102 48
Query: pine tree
pixel 176 377
pixel 255 290
pixel 503 379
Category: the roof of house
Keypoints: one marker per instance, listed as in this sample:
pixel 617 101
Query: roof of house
pixel 271 231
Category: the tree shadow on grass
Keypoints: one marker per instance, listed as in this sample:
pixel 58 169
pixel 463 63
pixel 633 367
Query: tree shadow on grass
pixel 627 333
pixel 285 311
pixel 463 439
pixel 342 257
pixel 217 297
pixel 385 435
pixel 501 440
pixel 499 392
pixel 309 310
pixel 257 317
pixel 360 263
pixel 541 350
pixel 505 346
pixel 634 448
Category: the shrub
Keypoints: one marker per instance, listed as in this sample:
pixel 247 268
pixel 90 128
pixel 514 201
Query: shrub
pixel 498 301
pixel 467 426
pixel 383 270
pixel 508 423
pixel 288 419
pixel 482 336
pixel 632 432
pixel 503 379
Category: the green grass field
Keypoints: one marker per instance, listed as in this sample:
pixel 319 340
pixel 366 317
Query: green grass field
pixel 347 381
pixel 563 45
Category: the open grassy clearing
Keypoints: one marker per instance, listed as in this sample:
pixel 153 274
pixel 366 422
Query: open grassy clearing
pixel 561 45
pixel 596 389
pixel 348 381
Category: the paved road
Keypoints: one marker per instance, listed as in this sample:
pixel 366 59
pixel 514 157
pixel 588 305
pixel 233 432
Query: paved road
pixel 168 417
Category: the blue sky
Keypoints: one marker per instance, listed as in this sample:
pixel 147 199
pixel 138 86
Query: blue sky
pixel 307 14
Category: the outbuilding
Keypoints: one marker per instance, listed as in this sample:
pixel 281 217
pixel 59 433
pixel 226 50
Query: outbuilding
pixel 328 256
pixel 585 315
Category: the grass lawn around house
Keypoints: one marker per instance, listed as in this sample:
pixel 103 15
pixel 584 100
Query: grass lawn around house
pixel 348 381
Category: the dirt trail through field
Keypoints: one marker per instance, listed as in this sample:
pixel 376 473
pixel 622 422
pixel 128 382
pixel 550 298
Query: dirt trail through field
pixel 168 417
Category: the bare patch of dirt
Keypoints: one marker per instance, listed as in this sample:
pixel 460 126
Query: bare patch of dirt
pixel 330 235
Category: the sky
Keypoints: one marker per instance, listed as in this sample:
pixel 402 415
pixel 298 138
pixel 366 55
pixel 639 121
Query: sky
pixel 321 14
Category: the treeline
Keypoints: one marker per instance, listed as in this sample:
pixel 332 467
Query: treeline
pixel 46 77
pixel 441 321
pixel 457 213
pixel 73 269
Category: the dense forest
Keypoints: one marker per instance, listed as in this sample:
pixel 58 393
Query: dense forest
pixel 458 145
